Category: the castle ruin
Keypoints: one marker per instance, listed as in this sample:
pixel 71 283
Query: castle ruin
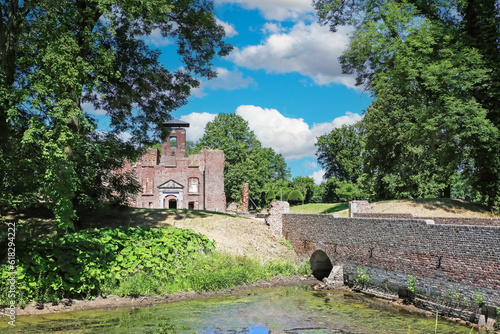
pixel 170 180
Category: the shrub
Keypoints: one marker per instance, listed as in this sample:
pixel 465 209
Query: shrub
pixel 295 197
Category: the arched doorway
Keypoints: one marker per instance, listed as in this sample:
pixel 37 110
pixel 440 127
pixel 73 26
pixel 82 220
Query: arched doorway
pixel 320 264
pixel 172 203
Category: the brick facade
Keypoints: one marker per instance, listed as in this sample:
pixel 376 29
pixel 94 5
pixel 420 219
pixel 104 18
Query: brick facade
pixel 171 180
pixel 444 258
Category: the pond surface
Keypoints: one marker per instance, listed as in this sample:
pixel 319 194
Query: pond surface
pixel 266 310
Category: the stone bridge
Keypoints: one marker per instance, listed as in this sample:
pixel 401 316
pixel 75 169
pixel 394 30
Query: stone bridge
pixel 451 263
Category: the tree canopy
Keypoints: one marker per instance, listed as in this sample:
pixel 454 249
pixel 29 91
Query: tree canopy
pixel 55 56
pixel 246 159
pixel 433 68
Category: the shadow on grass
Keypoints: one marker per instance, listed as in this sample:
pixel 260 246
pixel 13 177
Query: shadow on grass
pixel 336 208
pixel 37 223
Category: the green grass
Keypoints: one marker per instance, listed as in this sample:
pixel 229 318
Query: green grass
pixel 319 208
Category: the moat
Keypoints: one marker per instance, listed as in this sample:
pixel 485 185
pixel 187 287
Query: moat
pixel 264 310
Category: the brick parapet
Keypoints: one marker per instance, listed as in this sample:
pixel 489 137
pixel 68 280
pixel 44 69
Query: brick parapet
pixel 442 257
pixel 437 220
pixel 274 219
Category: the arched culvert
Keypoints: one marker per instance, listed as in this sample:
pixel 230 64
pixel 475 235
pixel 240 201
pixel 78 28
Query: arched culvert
pixel 321 265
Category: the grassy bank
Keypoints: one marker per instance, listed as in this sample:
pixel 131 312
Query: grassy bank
pixel 129 261
pixel 320 208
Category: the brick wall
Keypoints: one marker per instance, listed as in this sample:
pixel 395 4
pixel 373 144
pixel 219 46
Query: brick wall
pixel 461 259
pixel 437 220
pixel 359 207
pixel 215 198
pixel 274 219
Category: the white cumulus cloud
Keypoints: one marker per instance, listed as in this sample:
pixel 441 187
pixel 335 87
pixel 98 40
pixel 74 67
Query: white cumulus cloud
pixel 226 79
pixel 197 123
pixel 309 49
pixel 291 137
pixel 276 9
pixel 228 28
pixel 318 176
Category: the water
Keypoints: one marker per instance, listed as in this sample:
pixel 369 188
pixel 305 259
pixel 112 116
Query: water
pixel 267 310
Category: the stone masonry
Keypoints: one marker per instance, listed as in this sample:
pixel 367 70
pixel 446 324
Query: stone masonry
pixel 274 219
pixel 461 259
pixel 445 259
pixel 170 180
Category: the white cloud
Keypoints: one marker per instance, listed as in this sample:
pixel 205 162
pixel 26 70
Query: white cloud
pixel 276 9
pixel 272 28
pixel 89 108
pixel 226 79
pixel 197 123
pixel 291 137
pixel 157 39
pixel 318 176
pixel 228 28
pixel 309 165
pixel 309 49
pixel 124 136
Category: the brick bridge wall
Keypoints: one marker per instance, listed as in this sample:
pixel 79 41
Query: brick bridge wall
pixel 437 220
pixel 443 258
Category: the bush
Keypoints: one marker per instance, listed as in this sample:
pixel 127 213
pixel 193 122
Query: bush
pixel 348 191
pixel 129 262
pixel 295 197
pixel 88 262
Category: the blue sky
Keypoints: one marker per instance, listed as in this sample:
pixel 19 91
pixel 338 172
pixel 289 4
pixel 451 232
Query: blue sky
pixel 283 77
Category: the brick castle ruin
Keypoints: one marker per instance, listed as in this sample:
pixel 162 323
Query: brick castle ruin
pixel 170 180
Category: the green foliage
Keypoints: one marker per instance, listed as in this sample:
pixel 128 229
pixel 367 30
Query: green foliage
pixel 246 159
pixel 295 197
pixel 348 191
pixel 79 264
pixel 363 278
pixel 435 110
pixel 56 56
pixel 340 153
pixel 478 298
pixel 306 186
pixel 411 284
pixel 130 262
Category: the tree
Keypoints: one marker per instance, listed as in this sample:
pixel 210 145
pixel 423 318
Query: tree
pixel 56 55
pixel 305 185
pixel 348 191
pixel 340 153
pixel 426 58
pixel 246 159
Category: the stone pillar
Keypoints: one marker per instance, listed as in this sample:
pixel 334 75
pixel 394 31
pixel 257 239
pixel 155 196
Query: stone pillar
pixel 244 199
pixel 359 207
pixel 275 218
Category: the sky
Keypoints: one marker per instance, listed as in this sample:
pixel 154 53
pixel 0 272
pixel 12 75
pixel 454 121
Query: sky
pixel 283 77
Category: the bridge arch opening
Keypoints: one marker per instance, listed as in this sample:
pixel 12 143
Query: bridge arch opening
pixel 320 264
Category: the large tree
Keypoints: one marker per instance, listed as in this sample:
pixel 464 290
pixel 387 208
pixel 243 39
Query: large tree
pixel 433 69
pixel 56 55
pixel 340 153
pixel 246 159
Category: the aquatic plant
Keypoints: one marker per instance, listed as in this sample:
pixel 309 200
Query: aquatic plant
pixel 363 278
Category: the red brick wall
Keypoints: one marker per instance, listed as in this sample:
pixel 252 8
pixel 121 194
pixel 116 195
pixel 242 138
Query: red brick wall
pixel 207 167
pixel 443 258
